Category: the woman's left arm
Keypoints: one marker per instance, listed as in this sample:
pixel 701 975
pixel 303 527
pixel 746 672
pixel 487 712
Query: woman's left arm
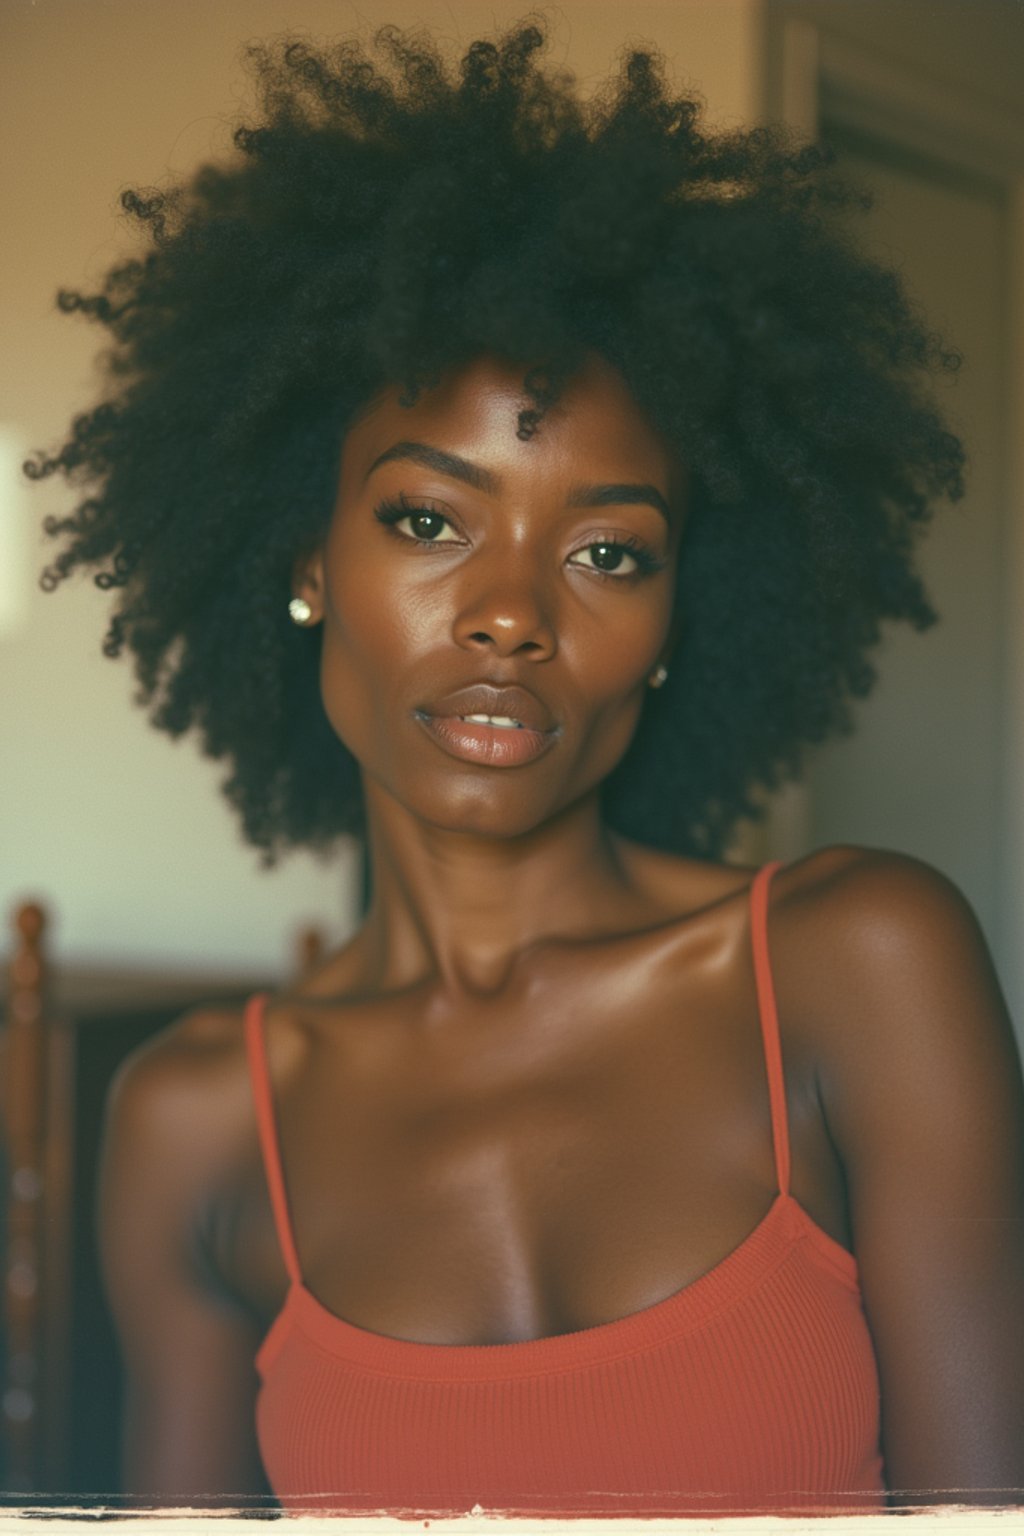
pixel 920 1083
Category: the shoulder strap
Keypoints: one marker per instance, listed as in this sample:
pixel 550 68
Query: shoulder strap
pixel 769 1021
pixel 256 1051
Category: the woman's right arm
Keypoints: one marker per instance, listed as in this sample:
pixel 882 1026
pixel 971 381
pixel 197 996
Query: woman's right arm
pixel 187 1349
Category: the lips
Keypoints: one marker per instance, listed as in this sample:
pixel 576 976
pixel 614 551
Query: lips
pixel 476 741
pixel 486 699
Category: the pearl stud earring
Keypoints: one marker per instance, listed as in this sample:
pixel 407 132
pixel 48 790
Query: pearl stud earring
pixel 658 676
pixel 300 610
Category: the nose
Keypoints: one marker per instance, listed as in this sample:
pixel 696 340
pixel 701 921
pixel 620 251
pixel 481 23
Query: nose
pixel 504 610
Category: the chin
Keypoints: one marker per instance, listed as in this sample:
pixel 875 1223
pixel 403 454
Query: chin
pixel 478 810
pixel 485 816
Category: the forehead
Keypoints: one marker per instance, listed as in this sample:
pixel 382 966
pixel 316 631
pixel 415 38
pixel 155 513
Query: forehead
pixel 473 411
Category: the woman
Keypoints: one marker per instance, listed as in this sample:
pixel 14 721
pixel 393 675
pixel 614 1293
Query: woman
pixel 523 483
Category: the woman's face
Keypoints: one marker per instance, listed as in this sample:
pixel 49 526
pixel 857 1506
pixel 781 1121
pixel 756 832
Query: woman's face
pixel 468 572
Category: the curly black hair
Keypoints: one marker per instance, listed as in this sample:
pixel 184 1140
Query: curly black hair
pixel 390 215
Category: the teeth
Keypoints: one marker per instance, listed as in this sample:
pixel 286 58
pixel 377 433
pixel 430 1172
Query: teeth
pixel 503 720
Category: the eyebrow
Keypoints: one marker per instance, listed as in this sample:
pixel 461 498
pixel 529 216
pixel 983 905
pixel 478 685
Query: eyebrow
pixel 480 479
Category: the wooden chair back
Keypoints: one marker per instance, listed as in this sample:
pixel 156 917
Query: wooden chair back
pixel 63 1036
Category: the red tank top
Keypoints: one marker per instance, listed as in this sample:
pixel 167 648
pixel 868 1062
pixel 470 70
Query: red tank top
pixel 753 1389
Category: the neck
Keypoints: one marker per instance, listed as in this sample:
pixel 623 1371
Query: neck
pixel 459 909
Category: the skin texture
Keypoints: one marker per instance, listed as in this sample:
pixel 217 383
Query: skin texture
pixel 529 1095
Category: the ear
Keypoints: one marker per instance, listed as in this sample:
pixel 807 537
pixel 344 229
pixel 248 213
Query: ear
pixel 308 581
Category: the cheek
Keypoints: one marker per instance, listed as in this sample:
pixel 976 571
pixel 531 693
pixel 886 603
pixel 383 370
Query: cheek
pixel 375 622
pixel 358 643
pixel 612 672
pixel 614 654
pixel 379 603
pixel 374 639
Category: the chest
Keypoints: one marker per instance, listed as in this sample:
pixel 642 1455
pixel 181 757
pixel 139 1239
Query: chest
pixel 560 1158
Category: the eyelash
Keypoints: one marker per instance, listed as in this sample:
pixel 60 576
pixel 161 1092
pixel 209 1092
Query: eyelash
pixel 392 512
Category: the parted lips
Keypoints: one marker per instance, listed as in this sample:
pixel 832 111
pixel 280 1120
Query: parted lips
pixel 512 702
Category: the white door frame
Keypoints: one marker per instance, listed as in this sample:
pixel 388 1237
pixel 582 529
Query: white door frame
pixel 868 91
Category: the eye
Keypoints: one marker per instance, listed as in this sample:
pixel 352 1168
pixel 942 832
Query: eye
pixel 426 525
pixel 617 558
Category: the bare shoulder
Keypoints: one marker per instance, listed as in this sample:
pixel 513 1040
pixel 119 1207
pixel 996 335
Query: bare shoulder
pixel 187 1091
pixel 179 1109
pixel 869 890
pixel 179 1127
pixel 882 968
pixel 194 1060
pixel 877 934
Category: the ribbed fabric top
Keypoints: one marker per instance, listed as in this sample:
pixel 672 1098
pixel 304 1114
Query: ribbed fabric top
pixel 753 1389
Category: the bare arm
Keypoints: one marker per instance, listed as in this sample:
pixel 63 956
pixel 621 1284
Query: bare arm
pixel 921 1088
pixel 187 1349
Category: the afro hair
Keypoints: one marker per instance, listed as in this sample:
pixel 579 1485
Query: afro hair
pixel 390 214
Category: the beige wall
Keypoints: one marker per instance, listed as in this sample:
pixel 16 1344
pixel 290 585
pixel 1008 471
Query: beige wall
pixel 928 96
pixel 977 45
pixel 120 829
